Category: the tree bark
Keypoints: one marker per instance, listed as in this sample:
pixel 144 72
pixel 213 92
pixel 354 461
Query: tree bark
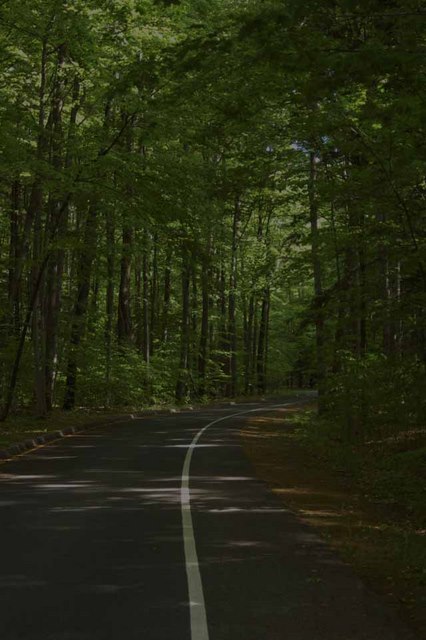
pixel 232 321
pixel 56 263
pixel 110 238
pixel 146 299
pixel 317 271
pixel 248 345
pixel 204 329
pixel 14 292
pixel 84 271
pixel 262 346
pixel 124 324
pixel 182 381
pixel 167 296
pixel 154 315
pixel 38 333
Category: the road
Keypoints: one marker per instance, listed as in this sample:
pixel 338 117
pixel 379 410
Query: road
pixel 104 534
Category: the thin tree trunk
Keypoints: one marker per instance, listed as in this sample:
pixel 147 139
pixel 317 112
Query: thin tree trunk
pixel 204 332
pixel 110 233
pixel 340 321
pixel 223 334
pixel 262 345
pixel 146 299
pixel 139 333
pixel 316 263
pixel 254 349
pixel 153 332
pixel 232 322
pixel 124 324
pixel 248 346
pixel 80 308
pixel 353 286
pixel 38 321
pixel 166 296
pixel 193 350
pixel 362 293
pixel 182 381
pixel 56 263
pixel 52 308
pixel 14 284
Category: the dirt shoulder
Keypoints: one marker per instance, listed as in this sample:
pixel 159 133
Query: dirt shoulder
pixel 383 541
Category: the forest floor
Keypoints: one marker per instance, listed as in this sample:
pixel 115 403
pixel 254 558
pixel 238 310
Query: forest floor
pixel 368 502
pixel 22 427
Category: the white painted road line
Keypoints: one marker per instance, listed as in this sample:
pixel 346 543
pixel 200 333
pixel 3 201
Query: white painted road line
pixel 197 606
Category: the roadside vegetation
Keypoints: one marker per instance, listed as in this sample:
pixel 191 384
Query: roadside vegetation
pixel 26 427
pixel 367 500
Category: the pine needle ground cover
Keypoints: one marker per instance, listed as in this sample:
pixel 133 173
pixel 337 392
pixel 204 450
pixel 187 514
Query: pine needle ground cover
pixel 367 501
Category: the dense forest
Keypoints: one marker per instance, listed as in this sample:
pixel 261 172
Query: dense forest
pixel 205 199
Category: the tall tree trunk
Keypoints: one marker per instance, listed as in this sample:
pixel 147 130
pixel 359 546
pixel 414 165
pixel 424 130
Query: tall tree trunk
pixel 110 238
pixel 262 345
pixel 153 332
pixel 93 299
pixel 232 321
pixel 248 345
pixel 139 324
pixel 56 262
pixel 34 217
pixel 124 324
pixel 146 299
pixel 223 333
pixel 182 381
pixel 362 291
pixel 14 293
pixel 318 289
pixel 38 320
pixel 204 329
pixel 340 320
pixel 166 296
pixel 352 279
pixel 52 308
pixel 254 342
pixel 84 271
pixel 193 350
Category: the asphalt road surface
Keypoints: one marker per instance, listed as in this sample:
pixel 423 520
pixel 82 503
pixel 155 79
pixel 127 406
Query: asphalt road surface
pixel 152 529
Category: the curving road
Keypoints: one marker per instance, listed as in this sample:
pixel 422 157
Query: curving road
pixel 104 534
